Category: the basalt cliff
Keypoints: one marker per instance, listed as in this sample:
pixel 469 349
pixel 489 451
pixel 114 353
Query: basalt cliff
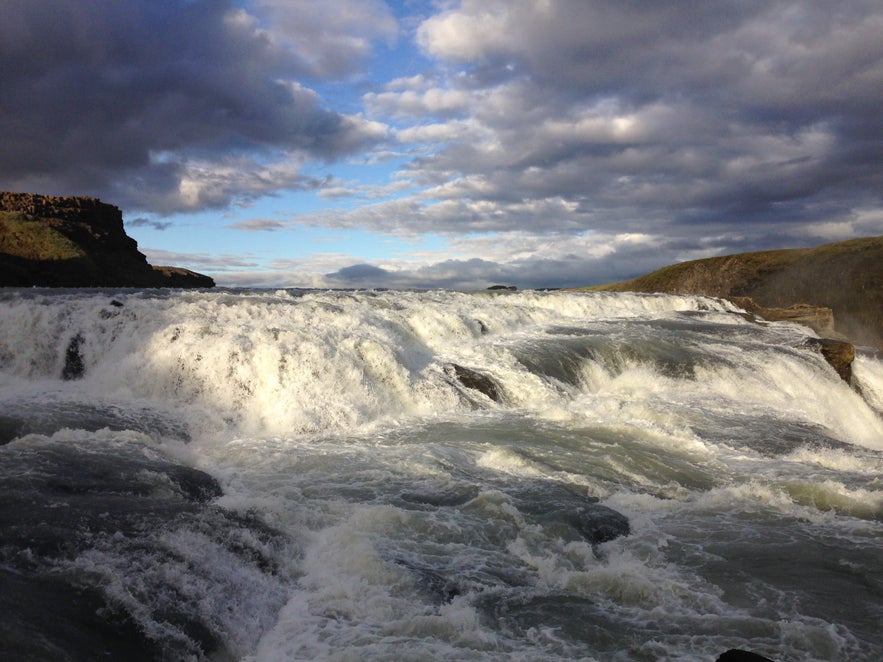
pixel 835 289
pixel 53 241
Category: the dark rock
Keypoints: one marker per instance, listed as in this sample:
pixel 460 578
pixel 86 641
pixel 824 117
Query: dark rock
pixel 439 588
pixel 84 626
pixel 52 241
pixel 474 380
pixel 737 655
pixel 180 277
pixel 551 503
pixel 597 523
pixel 509 288
pixel 11 427
pixel 60 502
pixel 73 360
pixel 837 353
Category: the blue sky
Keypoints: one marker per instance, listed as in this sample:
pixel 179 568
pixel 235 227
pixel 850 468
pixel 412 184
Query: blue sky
pixel 449 143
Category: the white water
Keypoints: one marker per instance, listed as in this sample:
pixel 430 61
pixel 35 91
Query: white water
pixel 749 472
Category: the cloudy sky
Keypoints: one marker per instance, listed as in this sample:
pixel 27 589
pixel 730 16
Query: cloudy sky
pixel 449 143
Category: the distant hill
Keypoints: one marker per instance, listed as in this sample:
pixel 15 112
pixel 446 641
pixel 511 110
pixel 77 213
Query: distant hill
pixel 56 241
pixel 846 277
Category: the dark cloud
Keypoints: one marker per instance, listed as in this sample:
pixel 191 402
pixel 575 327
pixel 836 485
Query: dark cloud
pixel 142 222
pixel 737 117
pixel 478 274
pixel 361 273
pixel 128 99
pixel 640 132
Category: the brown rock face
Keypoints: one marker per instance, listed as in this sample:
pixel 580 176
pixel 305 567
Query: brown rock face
pixel 845 277
pixel 837 353
pixel 55 241
pixel 818 318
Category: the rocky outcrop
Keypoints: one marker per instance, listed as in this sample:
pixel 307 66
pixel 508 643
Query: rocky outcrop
pixel 473 380
pixel 798 284
pixel 180 277
pixel 818 318
pixel 58 241
pixel 837 353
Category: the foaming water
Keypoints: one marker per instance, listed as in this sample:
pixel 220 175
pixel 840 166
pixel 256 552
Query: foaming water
pixel 439 475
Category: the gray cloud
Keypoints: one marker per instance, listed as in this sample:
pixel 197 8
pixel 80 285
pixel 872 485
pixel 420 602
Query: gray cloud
pixel 142 222
pixel 636 132
pixel 127 100
pixel 590 114
pixel 259 225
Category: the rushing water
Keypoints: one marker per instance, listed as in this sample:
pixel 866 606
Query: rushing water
pixel 431 476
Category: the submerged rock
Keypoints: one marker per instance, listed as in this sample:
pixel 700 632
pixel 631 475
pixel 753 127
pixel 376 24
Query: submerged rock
pixel 73 360
pixel 472 379
pixel 438 587
pixel 738 655
pixel 556 505
pixel 128 553
pixel 80 627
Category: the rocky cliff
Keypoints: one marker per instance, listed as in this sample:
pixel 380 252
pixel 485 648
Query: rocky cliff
pixel 57 241
pixel 834 288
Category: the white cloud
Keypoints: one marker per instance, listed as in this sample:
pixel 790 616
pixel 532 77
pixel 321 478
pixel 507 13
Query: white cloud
pixel 406 103
pixel 468 32
pixel 329 39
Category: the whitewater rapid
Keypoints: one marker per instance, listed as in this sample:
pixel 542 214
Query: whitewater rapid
pixel 635 477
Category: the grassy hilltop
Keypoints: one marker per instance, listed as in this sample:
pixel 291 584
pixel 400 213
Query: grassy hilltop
pixel 67 241
pixel 846 277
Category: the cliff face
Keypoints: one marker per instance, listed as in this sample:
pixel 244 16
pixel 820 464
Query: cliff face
pixel 75 242
pixel 845 277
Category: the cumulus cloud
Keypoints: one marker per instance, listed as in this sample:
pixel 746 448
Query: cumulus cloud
pixel 328 38
pixel 149 103
pixel 593 114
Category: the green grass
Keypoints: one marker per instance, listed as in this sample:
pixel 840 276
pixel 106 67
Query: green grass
pixel 34 239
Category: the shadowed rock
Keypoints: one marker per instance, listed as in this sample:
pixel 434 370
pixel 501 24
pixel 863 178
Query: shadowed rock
pixel 55 241
pixel 73 359
pixel 737 655
pixel 124 506
pixel 554 504
pixel 472 379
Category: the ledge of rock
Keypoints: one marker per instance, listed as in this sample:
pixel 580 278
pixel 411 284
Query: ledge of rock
pixel 818 318
pixel 837 352
pixel 55 241
pixel 845 277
